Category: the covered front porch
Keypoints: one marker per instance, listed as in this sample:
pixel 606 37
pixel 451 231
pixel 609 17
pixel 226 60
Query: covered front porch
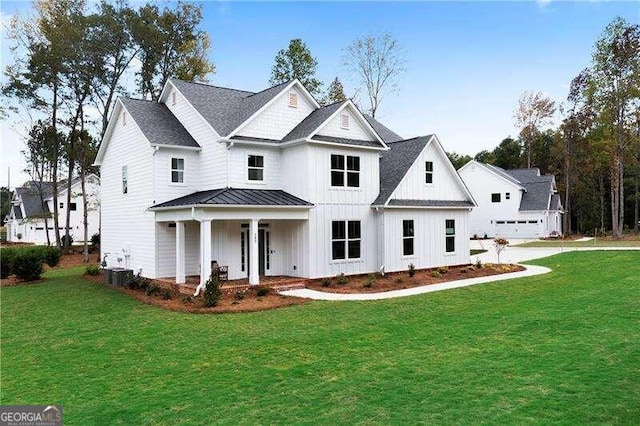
pixel 252 241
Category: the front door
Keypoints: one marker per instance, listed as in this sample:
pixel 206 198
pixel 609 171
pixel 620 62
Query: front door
pixel 264 251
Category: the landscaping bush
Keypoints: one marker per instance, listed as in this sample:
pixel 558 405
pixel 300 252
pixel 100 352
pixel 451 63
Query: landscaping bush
pixel 51 256
pixel 262 291
pixel 95 239
pixel 341 279
pixel 326 282
pixel 371 280
pixel 412 269
pixel 239 295
pixel 212 292
pixel 478 263
pixel 6 262
pixel 436 274
pixel 27 265
pixel 165 293
pixel 92 270
pixel 399 280
pixel 443 270
pixel 64 242
pixel 151 289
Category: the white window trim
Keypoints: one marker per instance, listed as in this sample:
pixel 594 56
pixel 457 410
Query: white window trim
pixel 455 239
pixel 345 172
pixel 432 173
pixel 264 163
pixel 408 256
pixel 333 261
pixel 184 172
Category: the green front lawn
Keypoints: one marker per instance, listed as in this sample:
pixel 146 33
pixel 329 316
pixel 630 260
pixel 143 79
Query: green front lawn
pixel 592 243
pixel 557 348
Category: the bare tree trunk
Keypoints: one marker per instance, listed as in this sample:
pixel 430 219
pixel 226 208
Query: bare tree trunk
pixel 601 203
pixel 54 170
pixel 85 215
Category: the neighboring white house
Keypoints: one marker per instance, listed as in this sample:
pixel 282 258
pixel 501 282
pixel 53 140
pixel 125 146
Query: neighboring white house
pixel 270 183
pixel 517 203
pixel 25 221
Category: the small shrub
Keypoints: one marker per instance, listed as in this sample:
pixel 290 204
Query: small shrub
pixel 212 292
pixel 478 263
pixel 371 280
pixel 92 270
pixel 165 293
pixel 399 280
pixel 436 274
pixel 6 262
pixel 239 295
pixel 51 256
pixel 469 268
pixel 139 283
pixel 95 239
pixel 341 279
pixel 262 290
pixel 66 240
pixel 412 269
pixel 326 282
pixel 187 300
pixel 27 265
pixel 443 270
pixel 151 289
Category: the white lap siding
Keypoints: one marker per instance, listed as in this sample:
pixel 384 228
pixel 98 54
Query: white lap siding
pixel 127 226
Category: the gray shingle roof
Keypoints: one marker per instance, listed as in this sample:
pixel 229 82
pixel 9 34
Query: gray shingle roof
pixel 158 124
pixel 312 121
pixel 537 195
pixel 225 109
pixel 17 212
pixel 430 203
pixel 556 202
pixel 346 141
pixel 31 202
pixel 395 163
pixel 524 175
pixel 237 197
pixel 502 172
pixel 386 134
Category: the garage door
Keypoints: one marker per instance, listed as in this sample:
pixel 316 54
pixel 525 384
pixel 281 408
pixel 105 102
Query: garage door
pixel 517 228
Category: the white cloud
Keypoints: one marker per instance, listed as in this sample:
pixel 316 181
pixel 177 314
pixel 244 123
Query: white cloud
pixel 543 3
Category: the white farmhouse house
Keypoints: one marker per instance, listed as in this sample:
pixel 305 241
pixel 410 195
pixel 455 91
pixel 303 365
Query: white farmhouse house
pixel 34 201
pixel 271 183
pixel 517 203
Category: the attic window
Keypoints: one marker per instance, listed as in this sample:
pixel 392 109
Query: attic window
pixel 124 118
pixel 293 100
pixel 344 121
pixel 173 98
pixel 428 168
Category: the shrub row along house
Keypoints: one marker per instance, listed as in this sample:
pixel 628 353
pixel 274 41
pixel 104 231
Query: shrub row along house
pixel 271 183
pixel 517 203
pixel 33 202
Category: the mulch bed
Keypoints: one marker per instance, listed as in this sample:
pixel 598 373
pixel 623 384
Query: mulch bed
pixel 228 302
pixel 401 280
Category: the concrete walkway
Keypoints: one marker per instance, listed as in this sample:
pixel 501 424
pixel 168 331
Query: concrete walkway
pixel 320 295
pixel 509 255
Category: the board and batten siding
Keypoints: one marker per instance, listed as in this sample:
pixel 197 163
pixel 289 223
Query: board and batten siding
pixel 166 237
pixel 356 129
pixel 429 239
pixel 294 169
pixel 444 187
pixel 127 226
pixel 278 119
pixel 213 156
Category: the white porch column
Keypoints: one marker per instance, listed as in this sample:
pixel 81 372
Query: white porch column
pixel 205 250
pixel 254 273
pixel 180 253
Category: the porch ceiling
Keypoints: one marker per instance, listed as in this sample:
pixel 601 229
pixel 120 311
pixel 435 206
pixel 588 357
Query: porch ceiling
pixel 199 213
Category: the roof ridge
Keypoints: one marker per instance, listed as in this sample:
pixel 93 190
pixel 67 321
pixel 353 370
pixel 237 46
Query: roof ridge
pixel 410 139
pixel 212 85
pixel 269 88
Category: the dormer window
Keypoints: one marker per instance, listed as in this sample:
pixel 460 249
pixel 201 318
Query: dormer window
pixel 256 167
pixel 293 100
pixel 344 121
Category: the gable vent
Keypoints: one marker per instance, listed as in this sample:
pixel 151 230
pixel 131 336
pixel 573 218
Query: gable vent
pixel 293 100
pixel 344 121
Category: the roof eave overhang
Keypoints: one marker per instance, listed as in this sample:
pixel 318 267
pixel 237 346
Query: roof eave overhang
pixel 423 207
pixel 188 148
pixel 229 206
pixel 374 148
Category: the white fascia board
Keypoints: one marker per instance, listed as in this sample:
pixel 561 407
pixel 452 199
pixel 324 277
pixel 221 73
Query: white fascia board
pixel 107 134
pixel 187 148
pixel 346 145
pixel 423 207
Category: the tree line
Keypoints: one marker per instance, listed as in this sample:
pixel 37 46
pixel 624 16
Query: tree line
pixel 595 150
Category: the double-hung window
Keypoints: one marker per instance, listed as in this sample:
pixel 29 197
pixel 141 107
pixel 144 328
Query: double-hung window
pixel 450 235
pixel 345 170
pixel 256 167
pixel 177 170
pixel 428 168
pixel 346 237
pixel 407 237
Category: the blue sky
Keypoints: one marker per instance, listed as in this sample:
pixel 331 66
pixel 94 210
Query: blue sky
pixel 467 62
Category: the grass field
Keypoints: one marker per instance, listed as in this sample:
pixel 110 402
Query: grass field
pixel 556 348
